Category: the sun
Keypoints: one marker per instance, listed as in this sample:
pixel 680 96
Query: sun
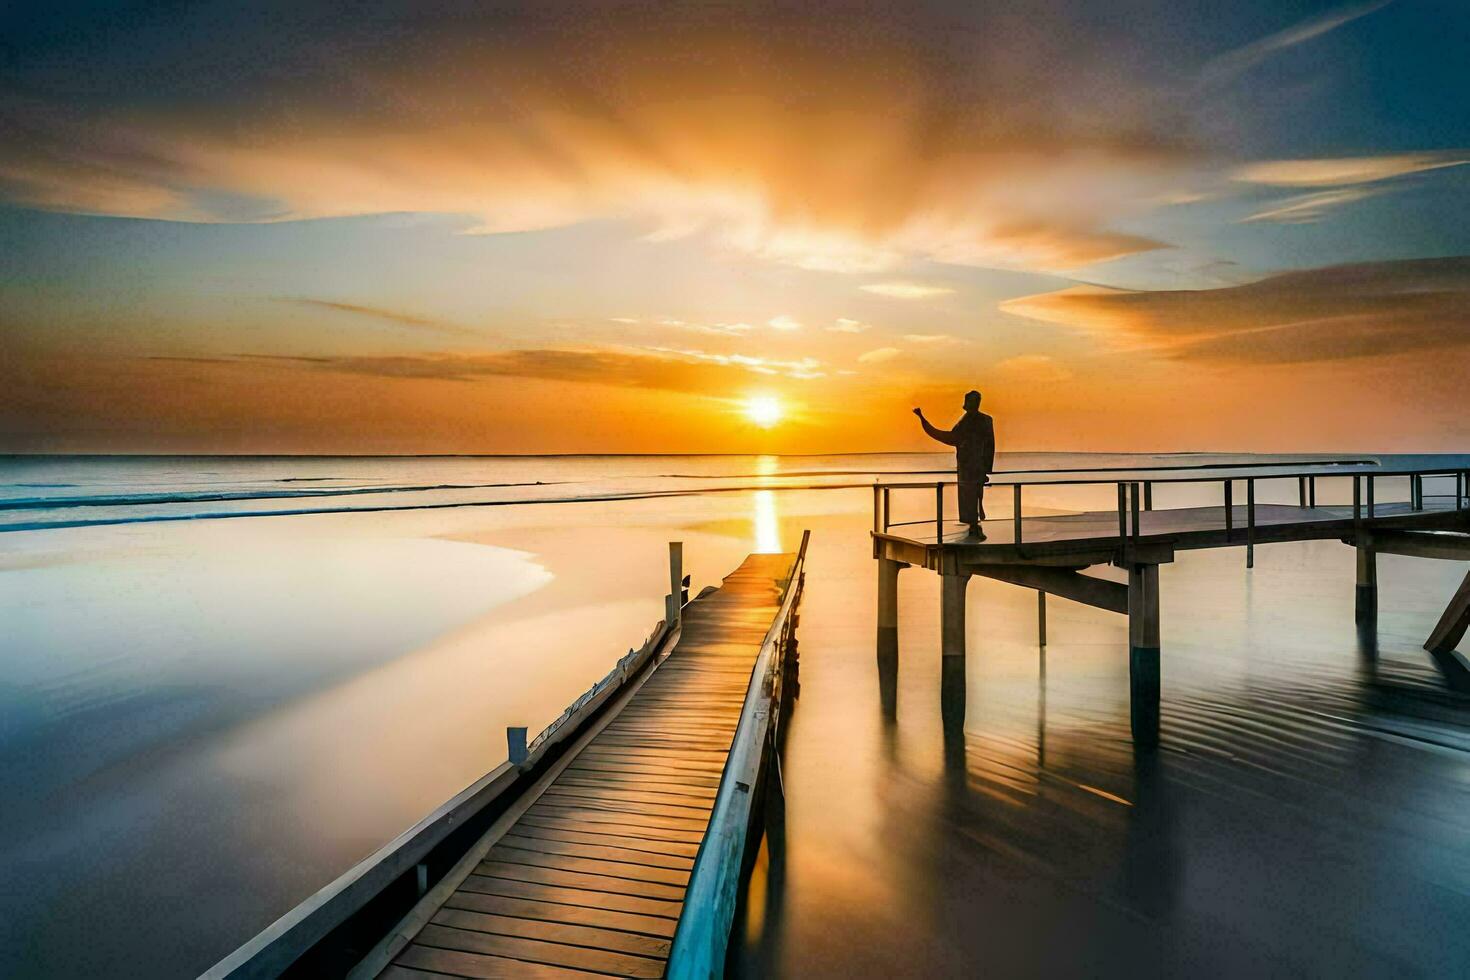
pixel 764 410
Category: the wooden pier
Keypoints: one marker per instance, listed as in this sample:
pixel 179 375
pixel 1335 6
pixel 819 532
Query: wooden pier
pixel 1051 553
pixel 589 871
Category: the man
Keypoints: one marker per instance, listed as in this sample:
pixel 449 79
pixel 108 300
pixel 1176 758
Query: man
pixel 973 439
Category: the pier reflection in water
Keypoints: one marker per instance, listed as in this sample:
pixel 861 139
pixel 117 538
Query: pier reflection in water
pixel 1305 812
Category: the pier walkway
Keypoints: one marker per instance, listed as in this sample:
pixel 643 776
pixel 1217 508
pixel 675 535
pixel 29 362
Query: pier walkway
pixel 587 873
pixel 1052 551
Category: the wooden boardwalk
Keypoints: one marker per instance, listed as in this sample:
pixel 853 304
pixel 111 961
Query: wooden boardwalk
pixel 586 876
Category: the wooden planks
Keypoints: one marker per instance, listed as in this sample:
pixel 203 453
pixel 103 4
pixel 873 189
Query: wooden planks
pixel 590 879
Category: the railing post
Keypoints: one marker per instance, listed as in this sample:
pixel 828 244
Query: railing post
pixel 1370 496
pixel 1016 508
pixel 1134 490
pixel 675 612
pixel 939 513
pixel 877 507
pixel 1311 491
pixel 515 745
pixel 1250 523
pixel 1148 495
pixel 1122 515
pixel 1357 503
pixel 1301 491
pixel 1229 510
pixel 887 504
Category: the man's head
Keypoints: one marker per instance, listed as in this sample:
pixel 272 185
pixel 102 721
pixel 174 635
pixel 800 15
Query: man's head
pixel 972 401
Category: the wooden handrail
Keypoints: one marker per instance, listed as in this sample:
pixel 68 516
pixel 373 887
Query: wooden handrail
pixel 703 934
pixel 1306 492
pixel 1199 475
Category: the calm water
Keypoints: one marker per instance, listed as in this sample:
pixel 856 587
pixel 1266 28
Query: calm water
pixel 203 719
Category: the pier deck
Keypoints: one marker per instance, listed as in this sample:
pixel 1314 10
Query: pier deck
pixel 1051 552
pixel 1182 528
pixel 587 874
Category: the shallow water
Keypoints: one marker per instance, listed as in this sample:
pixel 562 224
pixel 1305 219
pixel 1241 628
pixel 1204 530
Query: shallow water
pixel 205 720
pixel 1307 810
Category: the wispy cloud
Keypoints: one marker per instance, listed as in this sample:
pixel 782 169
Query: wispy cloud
pixel 804 368
pixel 1227 66
pixel 784 321
pixel 1332 313
pixel 729 329
pixel 1033 369
pixel 378 313
pixel 668 369
pixel 1307 208
pixel 879 355
pixel 1342 171
pixel 844 325
pixel 928 339
pixel 906 290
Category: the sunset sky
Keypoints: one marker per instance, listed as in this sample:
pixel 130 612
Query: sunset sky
pixel 441 227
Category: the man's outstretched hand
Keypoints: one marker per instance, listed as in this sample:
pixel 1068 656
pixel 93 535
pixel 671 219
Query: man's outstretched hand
pixel 919 412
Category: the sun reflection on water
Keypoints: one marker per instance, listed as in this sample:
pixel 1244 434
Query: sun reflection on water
pixel 765 524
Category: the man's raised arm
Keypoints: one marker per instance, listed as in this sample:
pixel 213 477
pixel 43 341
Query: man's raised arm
pixel 943 435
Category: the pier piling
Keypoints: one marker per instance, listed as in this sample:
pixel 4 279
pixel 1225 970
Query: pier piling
pixel 1143 652
pixel 1365 608
pixel 888 570
pixel 1040 618
pixel 952 613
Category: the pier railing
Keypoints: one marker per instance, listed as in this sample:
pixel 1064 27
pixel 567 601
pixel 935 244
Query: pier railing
pixel 1135 492
pixel 703 935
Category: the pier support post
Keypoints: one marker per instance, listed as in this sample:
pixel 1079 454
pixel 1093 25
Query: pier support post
pixel 1143 653
pixel 1040 618
pixel 952 613
pixel 1366 606
pixel 1453 624
pixel 888 570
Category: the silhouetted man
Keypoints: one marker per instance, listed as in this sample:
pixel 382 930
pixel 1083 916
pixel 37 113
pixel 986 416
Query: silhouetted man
pixel 973 439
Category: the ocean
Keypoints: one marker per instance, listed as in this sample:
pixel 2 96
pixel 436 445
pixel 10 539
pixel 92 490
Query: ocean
pixel 224 680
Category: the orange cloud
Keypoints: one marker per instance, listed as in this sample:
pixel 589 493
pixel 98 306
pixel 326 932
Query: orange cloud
pixel 1338 312
pixel 905 139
